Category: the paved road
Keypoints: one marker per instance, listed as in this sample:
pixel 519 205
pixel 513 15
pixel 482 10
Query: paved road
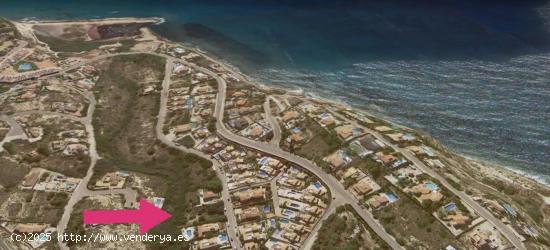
pixel 278 102
pixel 82 188
pixel 336 188
pixel 337 201
pixel 273 123
pixel 130 195
pixel 275 195
pixel 340 195
pixel 229 212
pixel 81 191
pixel 232 229
pixel 4 61
pixel 15 133
pixel 505 230
pixel 308 243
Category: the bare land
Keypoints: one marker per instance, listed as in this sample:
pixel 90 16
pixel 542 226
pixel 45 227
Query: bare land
pixel 125 129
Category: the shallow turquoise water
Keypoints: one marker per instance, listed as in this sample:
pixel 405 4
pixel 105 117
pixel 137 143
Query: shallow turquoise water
pixel 24 67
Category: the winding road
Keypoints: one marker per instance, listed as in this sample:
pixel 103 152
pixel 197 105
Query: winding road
pixel 505 230
pixel 272 122
pixel 339 194
pixel 161 119
pixel 15 133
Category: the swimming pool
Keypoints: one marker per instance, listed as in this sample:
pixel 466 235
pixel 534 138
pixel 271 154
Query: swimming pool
pixel 391 197
pixel 450 207
pixel 289 214
pixel 222 238
pixel 431 186
pixel 262 174
pixel 158 202
pixel 24 67
pixel 273 223
pixel 189 233
pixel 263 161
pixel 317 185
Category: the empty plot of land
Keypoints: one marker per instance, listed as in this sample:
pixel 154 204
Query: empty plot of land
pixel 126 140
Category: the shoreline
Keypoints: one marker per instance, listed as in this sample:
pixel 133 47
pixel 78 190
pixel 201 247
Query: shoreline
pixel 111 20
pixel 498 166
pixel 509 171
pixel 503 170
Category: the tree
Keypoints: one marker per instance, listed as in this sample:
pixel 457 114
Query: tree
pixel 43 149
pixel 214 186
pixel 10 148
pixel 212 125
pixel 376 172
pixel 428 204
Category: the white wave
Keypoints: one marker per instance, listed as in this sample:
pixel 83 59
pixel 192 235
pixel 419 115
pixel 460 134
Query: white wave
pixel 475 92
pixel 161 20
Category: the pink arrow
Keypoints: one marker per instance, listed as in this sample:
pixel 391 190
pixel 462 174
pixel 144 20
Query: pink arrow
pixel 147 216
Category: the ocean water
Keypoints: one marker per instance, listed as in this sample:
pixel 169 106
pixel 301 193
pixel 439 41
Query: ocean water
pixel 474 74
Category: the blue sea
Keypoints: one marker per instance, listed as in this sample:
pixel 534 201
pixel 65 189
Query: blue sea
pixel 474 74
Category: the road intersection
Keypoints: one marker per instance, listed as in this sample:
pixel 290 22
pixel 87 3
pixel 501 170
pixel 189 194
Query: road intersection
pixel 339 194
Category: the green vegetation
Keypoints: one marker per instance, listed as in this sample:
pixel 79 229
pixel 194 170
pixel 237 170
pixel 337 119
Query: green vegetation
pixel 76 226
pixel 4 87
pixel 180 81
pixel 500 185
pixel 187 141
pixel 332 232
pixel 18 64
pixel 6 26
pixel 61 45
pixel 210 213
pixel 11 173
pixel 531 203
pixel 213 185
pixel 376 169
pixel 211 126
pixel 337 232
pixel 10 148
pixel 406 217
pixel 69 165
pixel 125 143
pixel 175 118
pixel 36 207
pixel 57 199
pixel 43 149
pixel 454 184
pixel 322 144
